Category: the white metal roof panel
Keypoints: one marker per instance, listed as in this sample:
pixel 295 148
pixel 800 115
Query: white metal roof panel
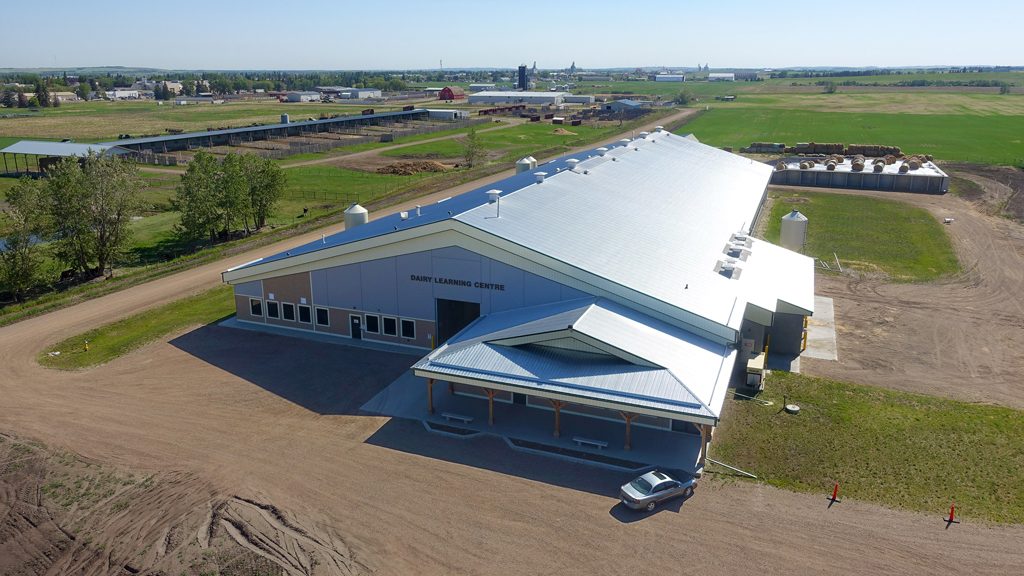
pixel 40 148
pixel 654 219
pixel 765 286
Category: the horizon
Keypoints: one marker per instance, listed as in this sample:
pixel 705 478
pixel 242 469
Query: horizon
pixel 734 36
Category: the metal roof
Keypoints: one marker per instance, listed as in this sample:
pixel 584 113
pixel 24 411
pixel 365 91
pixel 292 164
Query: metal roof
pixel 262 127
pixel 40 148
pixel 639 362
pixel 517 94
pixel 662 208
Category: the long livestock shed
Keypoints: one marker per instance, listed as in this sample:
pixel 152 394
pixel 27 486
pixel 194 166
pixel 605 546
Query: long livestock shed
pixel 48 153
pixel 175 142
pixel 619 284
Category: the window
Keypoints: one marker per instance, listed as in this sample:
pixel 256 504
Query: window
pixel 272 311
pixel 255 306
pixel 408 329
pixel 304 314
pixel 372 324
pixel 323 317
pixel 390 326
pixel 288 311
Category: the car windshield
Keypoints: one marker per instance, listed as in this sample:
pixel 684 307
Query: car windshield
pixel 641 485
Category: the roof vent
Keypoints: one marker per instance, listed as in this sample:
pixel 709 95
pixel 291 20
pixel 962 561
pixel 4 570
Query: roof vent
pixel 403 215
pixel 493 195
pixel 729 268
pixel 540 176
pixel 417 209
pixel 571 163
pixel 625 141
pixel 601 151
pixel 659 128
pixel 644 134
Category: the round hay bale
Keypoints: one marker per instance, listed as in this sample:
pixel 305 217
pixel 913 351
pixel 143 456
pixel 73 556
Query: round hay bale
pixel 830 166
pixel 929 157
pixel 879 166
pixel 780 165
pixel 915 163
pixel 904 168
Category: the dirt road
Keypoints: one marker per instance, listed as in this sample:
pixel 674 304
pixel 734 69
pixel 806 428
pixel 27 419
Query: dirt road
pixel 259 436
pixel 959 337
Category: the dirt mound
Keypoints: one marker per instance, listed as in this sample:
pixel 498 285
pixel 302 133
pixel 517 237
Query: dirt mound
pixel 409 168
pixel 61 514
pixel 563 132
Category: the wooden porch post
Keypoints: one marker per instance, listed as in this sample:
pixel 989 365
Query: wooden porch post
pixel 557 405
pixel 490 406
pixel 430 395
pixel 703 445
pixel 628 417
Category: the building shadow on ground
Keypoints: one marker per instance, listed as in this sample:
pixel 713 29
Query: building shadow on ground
pixel 322 377
pixel 627 515
pixel 492 453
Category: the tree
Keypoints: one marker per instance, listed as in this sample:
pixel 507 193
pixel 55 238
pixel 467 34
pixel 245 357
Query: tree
pixel 8 99
pixel 56 102
pixel 91 204
pixel 82 91
pixel 26 224
pixel 266 185
pixel 829 88
pixel 685 97
pixel 472 151
pixel 232 194
pixel 42 94
pixel 22 100
pixel 1004 88
pixel 196 199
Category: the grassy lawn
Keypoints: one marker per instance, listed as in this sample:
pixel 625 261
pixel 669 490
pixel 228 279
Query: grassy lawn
pixel 968 137
pixel 901 450
pixel 869 234
pixel 116 339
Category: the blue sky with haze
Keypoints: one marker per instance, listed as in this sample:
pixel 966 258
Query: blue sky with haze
pixel 404 34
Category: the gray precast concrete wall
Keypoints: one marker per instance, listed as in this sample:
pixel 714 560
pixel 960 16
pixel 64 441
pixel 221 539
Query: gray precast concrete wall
pixel 867 180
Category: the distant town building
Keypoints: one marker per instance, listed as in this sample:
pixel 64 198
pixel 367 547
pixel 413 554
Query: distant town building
pixel 669 78
pixel 305 96
pixel 123 94
pixel 481 87
pixel 721 77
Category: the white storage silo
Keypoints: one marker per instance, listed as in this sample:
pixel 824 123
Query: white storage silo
pixel 524 165
pixel 356 215
pixel 794 231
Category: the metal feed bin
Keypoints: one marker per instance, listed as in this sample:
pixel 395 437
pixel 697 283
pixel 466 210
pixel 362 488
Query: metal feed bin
pixel 794 231
pixel 356 215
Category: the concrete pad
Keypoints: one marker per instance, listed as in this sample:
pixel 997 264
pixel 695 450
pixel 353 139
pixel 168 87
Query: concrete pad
pixel 406 397
pixel 821 331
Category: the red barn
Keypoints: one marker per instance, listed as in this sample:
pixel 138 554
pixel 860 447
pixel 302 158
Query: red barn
pixel 451 93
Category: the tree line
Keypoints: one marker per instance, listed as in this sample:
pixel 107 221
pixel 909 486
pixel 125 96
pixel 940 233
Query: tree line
pixel 80 214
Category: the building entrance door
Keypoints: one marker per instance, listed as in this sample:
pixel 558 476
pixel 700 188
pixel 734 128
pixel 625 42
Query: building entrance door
pixel 355 326
pixel 454 315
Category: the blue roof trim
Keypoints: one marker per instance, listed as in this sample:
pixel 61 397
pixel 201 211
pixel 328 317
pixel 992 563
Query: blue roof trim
pixel 263 127
pixel 431 213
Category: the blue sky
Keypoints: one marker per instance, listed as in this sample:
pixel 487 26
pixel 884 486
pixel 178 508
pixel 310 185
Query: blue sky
pixel 405 34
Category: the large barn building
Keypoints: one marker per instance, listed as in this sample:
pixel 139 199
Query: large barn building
pixel 513 97
pixel 617 284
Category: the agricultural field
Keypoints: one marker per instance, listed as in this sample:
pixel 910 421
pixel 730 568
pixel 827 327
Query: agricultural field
pixel 902 450
pixel 871 235
pixel 99 121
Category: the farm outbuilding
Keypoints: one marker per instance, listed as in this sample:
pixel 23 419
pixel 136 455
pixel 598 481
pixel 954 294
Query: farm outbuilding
pixel 669 78
pixel 513 97
pixel 545 294
pixel 46 154
pixel 578 99
pixel 304 96
pixel 624 105
pixel 721 77
pixel 451 93
pixel 481 87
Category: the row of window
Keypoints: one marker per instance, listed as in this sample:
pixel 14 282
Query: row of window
pixel 389 326
pixel 372 323
pixel 286 311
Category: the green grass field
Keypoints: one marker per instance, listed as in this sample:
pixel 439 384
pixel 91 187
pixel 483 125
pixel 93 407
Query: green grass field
pixel 869 234
pixel 987 139
pixel 900 450
pixel 116 339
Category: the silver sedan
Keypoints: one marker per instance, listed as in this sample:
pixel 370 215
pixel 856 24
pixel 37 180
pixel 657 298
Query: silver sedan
pixel 648 491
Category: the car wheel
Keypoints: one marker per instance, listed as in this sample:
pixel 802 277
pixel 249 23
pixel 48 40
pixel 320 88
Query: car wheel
pixel 688 492
pixel 650 506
